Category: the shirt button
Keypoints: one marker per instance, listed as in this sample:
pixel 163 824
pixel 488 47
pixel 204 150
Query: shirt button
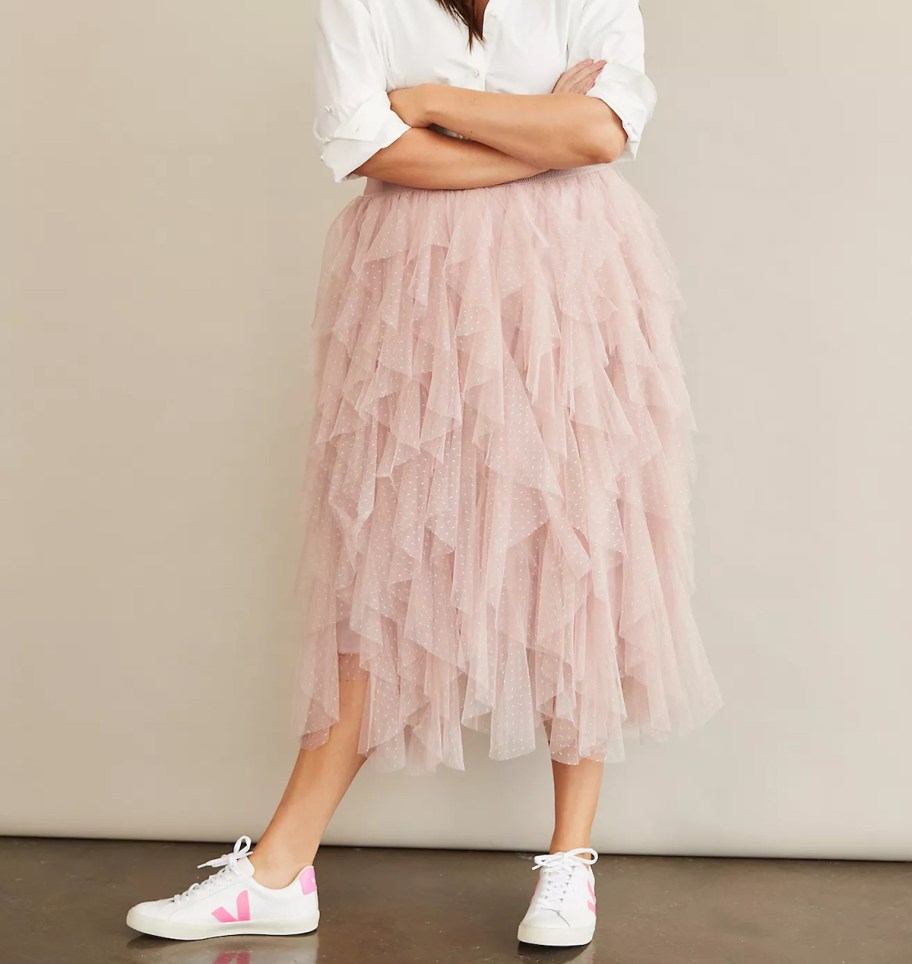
pixel 476 72
pixel 329 108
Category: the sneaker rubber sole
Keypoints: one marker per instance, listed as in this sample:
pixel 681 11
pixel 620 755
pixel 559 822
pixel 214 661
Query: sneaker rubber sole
pixel 555 936
pixel 179 931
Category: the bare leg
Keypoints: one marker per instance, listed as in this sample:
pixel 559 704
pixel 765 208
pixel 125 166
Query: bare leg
pixel 576 794
pixel 317 784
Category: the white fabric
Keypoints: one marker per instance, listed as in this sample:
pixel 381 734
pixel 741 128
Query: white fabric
pixel 366 48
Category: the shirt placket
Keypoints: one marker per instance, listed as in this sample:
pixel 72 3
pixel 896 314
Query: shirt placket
pixel 477 77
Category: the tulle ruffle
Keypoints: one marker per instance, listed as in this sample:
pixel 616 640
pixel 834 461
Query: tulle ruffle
pixel 496 505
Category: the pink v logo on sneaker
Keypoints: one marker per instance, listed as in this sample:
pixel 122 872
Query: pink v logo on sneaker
pixel 308 880
pixel 243 910
pixel 591 902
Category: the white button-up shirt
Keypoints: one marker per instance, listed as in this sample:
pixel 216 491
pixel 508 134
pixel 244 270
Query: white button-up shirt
pixel 366 48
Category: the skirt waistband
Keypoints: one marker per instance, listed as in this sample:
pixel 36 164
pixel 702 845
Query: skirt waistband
pixel 374 186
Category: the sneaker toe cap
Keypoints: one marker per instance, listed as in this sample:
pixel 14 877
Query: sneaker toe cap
pixel 151 910
pixel 539 917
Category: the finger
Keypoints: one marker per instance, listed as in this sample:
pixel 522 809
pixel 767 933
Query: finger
pixel 587 81
pixel 586 67
pixel 577 70
pixel 570 80
pixel 579 74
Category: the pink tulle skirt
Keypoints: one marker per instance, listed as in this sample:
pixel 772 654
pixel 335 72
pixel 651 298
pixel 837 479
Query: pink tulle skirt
pixel 496 502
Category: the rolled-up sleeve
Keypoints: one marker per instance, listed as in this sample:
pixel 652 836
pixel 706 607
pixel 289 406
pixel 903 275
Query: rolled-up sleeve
pixel 353 118
pixel 612 30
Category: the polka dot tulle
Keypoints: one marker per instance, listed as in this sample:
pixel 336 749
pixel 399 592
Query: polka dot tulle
pixel 496 502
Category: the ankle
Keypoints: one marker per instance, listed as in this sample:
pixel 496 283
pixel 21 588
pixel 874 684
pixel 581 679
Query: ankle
pixel 563 843
pixel 278 868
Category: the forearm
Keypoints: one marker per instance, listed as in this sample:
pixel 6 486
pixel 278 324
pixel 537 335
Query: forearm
pixel 426 159
pixel 546 130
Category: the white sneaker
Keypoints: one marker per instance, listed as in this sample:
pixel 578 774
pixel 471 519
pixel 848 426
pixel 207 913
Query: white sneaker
pixel 231 902
pixel 562 911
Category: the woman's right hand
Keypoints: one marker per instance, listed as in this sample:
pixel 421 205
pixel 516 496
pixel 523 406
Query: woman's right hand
pixel 579 78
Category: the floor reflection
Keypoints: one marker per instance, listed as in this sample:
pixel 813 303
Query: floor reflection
pixel 228 950
pixel 562 955
pixel 305 950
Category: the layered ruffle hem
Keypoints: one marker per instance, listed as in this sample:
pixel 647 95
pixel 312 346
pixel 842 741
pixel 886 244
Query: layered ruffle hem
pixel 497 531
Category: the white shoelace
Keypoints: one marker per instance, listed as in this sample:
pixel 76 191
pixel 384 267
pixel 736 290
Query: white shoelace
pixel 228 863
pixel 557 872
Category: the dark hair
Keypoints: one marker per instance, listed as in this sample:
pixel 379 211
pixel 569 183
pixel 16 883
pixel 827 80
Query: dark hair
pixel 464 12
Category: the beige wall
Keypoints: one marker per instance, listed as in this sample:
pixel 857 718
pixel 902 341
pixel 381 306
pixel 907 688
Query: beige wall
pixel 163 213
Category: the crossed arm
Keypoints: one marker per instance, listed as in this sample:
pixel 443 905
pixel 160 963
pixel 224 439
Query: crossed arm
pixel 508 136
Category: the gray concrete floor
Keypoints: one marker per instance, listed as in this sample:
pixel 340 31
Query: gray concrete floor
pixel 65 900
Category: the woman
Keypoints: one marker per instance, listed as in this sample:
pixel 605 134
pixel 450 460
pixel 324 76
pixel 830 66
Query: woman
pixel 498 473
